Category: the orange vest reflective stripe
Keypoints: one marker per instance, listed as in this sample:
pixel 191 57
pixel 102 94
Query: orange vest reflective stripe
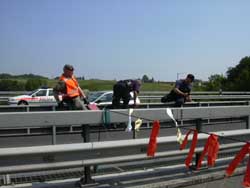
pixel 71 86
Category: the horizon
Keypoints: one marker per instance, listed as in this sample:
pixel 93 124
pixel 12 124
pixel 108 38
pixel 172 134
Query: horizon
pixel 140 78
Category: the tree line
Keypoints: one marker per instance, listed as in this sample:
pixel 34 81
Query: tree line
pixel 16 85
pixel 22 76
pixel 23 82
pixel 236 79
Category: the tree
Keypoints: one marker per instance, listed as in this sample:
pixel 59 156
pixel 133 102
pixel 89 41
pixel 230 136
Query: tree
pixel 145 78
pixel 11 85
pixel 152 80
pixel 32 84
pixel 216 82
pixel 238 77
pixel 22 76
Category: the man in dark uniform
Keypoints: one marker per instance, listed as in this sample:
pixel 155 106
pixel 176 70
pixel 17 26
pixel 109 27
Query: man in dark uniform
pixel 121 91
pixel 181 92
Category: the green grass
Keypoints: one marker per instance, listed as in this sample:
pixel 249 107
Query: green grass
pixel 102 85
pixel 105 85
pixel 156 87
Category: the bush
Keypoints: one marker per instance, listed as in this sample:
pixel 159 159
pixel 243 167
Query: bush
pixel 35 83
pixel 11 85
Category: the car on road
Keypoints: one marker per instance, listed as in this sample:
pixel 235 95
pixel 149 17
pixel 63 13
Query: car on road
pixel 41 96
pixel 105 98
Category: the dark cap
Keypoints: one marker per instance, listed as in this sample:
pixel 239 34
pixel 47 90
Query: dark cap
pixel 68 67
pixel 191 77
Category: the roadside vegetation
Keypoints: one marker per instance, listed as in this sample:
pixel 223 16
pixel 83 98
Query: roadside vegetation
pixel 236 79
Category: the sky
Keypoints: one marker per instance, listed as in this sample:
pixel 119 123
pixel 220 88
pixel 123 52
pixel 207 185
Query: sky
pixel 120 39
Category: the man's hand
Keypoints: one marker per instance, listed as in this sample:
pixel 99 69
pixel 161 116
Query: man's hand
pixel 185 94
pixel 188 98
pixel 85 101
pixel 60 104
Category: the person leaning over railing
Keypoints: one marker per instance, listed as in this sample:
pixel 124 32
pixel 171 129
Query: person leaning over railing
pixel 70 90
pixel 181 92
pixel 121 91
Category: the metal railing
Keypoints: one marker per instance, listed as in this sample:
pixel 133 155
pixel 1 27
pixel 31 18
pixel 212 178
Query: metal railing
pixel 76 129
pixel 11 93
pixel 59 118
pixel 155 96
pixel 93 153
pixel 34 108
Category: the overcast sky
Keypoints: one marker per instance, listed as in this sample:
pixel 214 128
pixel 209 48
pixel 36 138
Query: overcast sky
pixel 118 39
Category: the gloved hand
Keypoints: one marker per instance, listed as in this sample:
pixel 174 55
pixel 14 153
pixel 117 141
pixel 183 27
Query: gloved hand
pixel 85 100
pixel 60 104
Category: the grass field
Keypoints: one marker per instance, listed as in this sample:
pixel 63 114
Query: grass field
pixel 102 85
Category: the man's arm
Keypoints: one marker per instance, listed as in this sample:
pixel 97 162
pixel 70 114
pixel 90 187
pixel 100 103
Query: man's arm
pixel 82 94
pixel 135 97
pixel 179 92
pixel 58 89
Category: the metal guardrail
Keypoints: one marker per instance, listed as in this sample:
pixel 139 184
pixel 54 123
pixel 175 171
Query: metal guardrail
pixel 155 96
pixel 100 130
pixel 34 108
pixel 199 92
pixel 93 153
pixel 153 92
pixel 59 118
pixel 197 98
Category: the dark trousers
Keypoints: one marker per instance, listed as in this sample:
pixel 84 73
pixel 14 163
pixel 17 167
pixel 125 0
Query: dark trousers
pixel 120 92
pixel 179 101
pixel 75 103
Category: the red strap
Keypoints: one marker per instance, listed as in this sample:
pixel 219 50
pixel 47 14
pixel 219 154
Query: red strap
pixel 238 158
pixel 152 146
pixel 246 182
pixel 192 148
pixel 211 149
pixel 184 143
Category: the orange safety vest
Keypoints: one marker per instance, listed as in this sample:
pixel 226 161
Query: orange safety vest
pixel 71 87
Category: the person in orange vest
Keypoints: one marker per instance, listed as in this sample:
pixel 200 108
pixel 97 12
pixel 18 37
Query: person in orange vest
pixel 70 90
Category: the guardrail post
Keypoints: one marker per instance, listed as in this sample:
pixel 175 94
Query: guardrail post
pixel 134 131
pixel 248 118
pixel 247 122
pixel 198 126
pixel 6 179
pixel 87 169
pixel 54 135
